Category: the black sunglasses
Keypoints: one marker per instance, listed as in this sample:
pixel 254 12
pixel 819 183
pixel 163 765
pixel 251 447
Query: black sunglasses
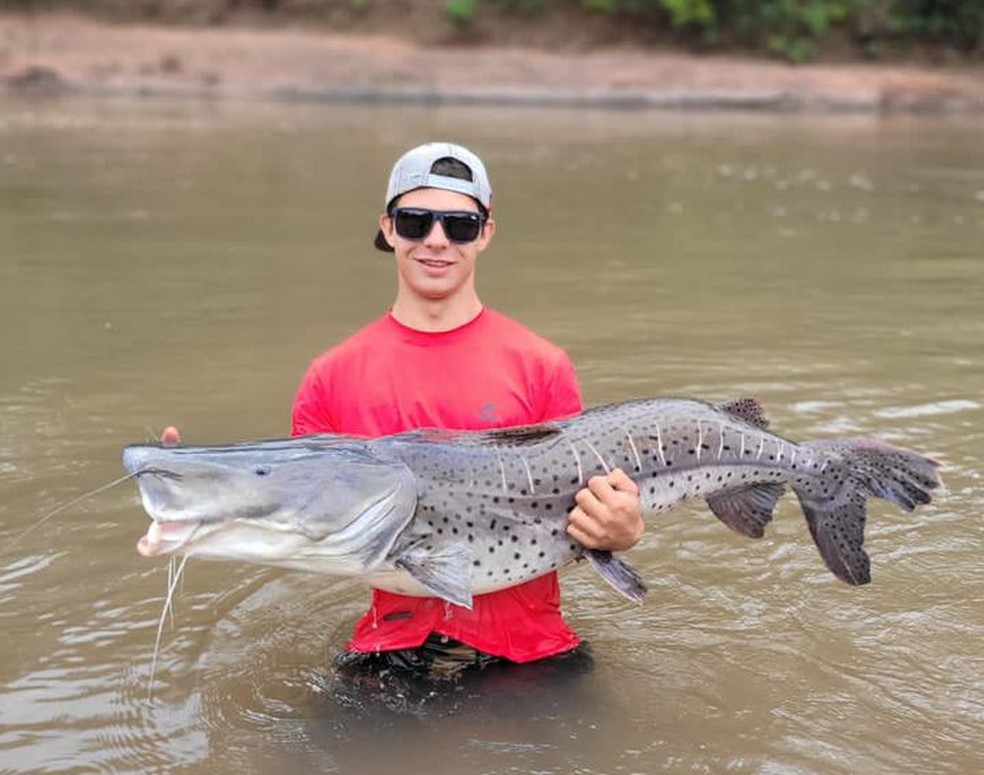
pixel 415 223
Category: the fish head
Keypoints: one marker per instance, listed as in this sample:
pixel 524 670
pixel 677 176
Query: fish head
pixel 289 502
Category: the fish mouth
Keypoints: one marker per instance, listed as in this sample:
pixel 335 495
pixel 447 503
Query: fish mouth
pixel 166 537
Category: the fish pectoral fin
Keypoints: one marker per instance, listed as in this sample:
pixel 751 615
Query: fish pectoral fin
pixel 618 573
pixel 746 509
pixel 445 572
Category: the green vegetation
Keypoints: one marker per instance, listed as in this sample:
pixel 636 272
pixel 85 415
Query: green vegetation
pixel 799 29
pixel 796 30
pixel 461 13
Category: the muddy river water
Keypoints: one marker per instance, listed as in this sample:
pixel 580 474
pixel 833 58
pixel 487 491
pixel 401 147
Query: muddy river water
pixel 169 262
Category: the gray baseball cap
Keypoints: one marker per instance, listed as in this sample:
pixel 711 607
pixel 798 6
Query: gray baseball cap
pixel 413 170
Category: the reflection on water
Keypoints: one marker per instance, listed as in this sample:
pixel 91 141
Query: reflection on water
pixel 181 263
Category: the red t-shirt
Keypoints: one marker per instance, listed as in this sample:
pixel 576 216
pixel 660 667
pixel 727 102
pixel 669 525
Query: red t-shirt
pixel 490 373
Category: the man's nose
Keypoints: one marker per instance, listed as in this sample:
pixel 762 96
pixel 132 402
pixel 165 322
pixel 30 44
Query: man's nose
pixel 436 235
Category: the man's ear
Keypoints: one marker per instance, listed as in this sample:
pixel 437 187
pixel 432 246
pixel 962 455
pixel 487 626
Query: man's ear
pixel 386 227
pixel 488 230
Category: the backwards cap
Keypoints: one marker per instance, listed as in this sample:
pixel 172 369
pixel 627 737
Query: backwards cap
pixel 413 170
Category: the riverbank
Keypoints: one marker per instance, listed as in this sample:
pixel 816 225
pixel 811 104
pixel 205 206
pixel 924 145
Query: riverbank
pixel 57 53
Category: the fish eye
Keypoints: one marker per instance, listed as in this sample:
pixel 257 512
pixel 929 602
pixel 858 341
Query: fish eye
pixel 262 470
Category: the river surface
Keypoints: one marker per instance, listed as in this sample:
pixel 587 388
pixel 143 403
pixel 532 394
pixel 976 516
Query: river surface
pixel 167 262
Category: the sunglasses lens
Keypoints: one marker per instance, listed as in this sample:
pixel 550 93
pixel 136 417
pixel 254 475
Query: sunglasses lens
pixel 462 227
pixel 413 224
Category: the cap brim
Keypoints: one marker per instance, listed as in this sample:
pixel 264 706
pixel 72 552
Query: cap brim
pixel 381 243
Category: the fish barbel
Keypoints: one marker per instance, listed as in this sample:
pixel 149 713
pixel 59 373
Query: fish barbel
pixel 455 514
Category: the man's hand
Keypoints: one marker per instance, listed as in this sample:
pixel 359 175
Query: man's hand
pixel 608 514
pixel 170 436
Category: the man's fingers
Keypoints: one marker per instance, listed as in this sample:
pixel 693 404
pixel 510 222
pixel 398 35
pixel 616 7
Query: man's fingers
pixel 621 481
pixel 605 487
pixel 583 529
pixel 588 499
pixel 615 481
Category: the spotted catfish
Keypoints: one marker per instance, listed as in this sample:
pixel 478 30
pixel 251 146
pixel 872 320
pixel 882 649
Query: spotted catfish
pixel 456 514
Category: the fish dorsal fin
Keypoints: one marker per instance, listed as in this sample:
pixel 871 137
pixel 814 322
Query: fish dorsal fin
pixel 517 436
pixel 522 434
pixel 746 409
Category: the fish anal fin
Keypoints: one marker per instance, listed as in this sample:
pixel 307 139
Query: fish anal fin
pixel 618 573
pixel 748 410
pixel 446 573
pixel 746 509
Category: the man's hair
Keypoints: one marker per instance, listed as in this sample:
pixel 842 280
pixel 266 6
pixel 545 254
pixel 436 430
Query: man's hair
pixel 454 168
pixel 451 168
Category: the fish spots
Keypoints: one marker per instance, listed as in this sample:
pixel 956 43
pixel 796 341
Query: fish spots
pixel 507 503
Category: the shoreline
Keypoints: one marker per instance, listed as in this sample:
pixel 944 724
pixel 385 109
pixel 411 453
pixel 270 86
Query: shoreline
pixel 56 53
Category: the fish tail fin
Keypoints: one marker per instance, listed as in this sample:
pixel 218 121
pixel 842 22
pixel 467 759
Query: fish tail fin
pixel 834 498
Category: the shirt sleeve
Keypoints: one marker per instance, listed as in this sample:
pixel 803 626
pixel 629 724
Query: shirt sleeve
pixel 563 393
pixel 310 413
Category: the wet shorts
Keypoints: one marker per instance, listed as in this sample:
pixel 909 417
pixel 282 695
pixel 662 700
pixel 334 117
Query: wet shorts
pixel 408 678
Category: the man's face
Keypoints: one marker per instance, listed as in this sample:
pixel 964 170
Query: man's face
pixel 434 267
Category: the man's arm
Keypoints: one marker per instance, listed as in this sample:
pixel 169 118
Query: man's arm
pixel 309 413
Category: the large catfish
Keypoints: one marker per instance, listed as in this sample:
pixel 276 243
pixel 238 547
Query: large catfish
pixel 456 514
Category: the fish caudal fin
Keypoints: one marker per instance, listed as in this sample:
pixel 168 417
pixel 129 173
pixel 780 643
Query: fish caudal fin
pixel 838 532
pixel 835 506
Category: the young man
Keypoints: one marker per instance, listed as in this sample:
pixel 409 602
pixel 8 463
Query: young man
pixel 439 358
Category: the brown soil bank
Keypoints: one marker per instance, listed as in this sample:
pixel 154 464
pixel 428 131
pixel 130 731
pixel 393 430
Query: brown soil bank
pixel 53 53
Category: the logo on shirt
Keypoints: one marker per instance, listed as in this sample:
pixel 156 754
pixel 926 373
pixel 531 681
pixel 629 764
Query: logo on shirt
pixel 487 413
